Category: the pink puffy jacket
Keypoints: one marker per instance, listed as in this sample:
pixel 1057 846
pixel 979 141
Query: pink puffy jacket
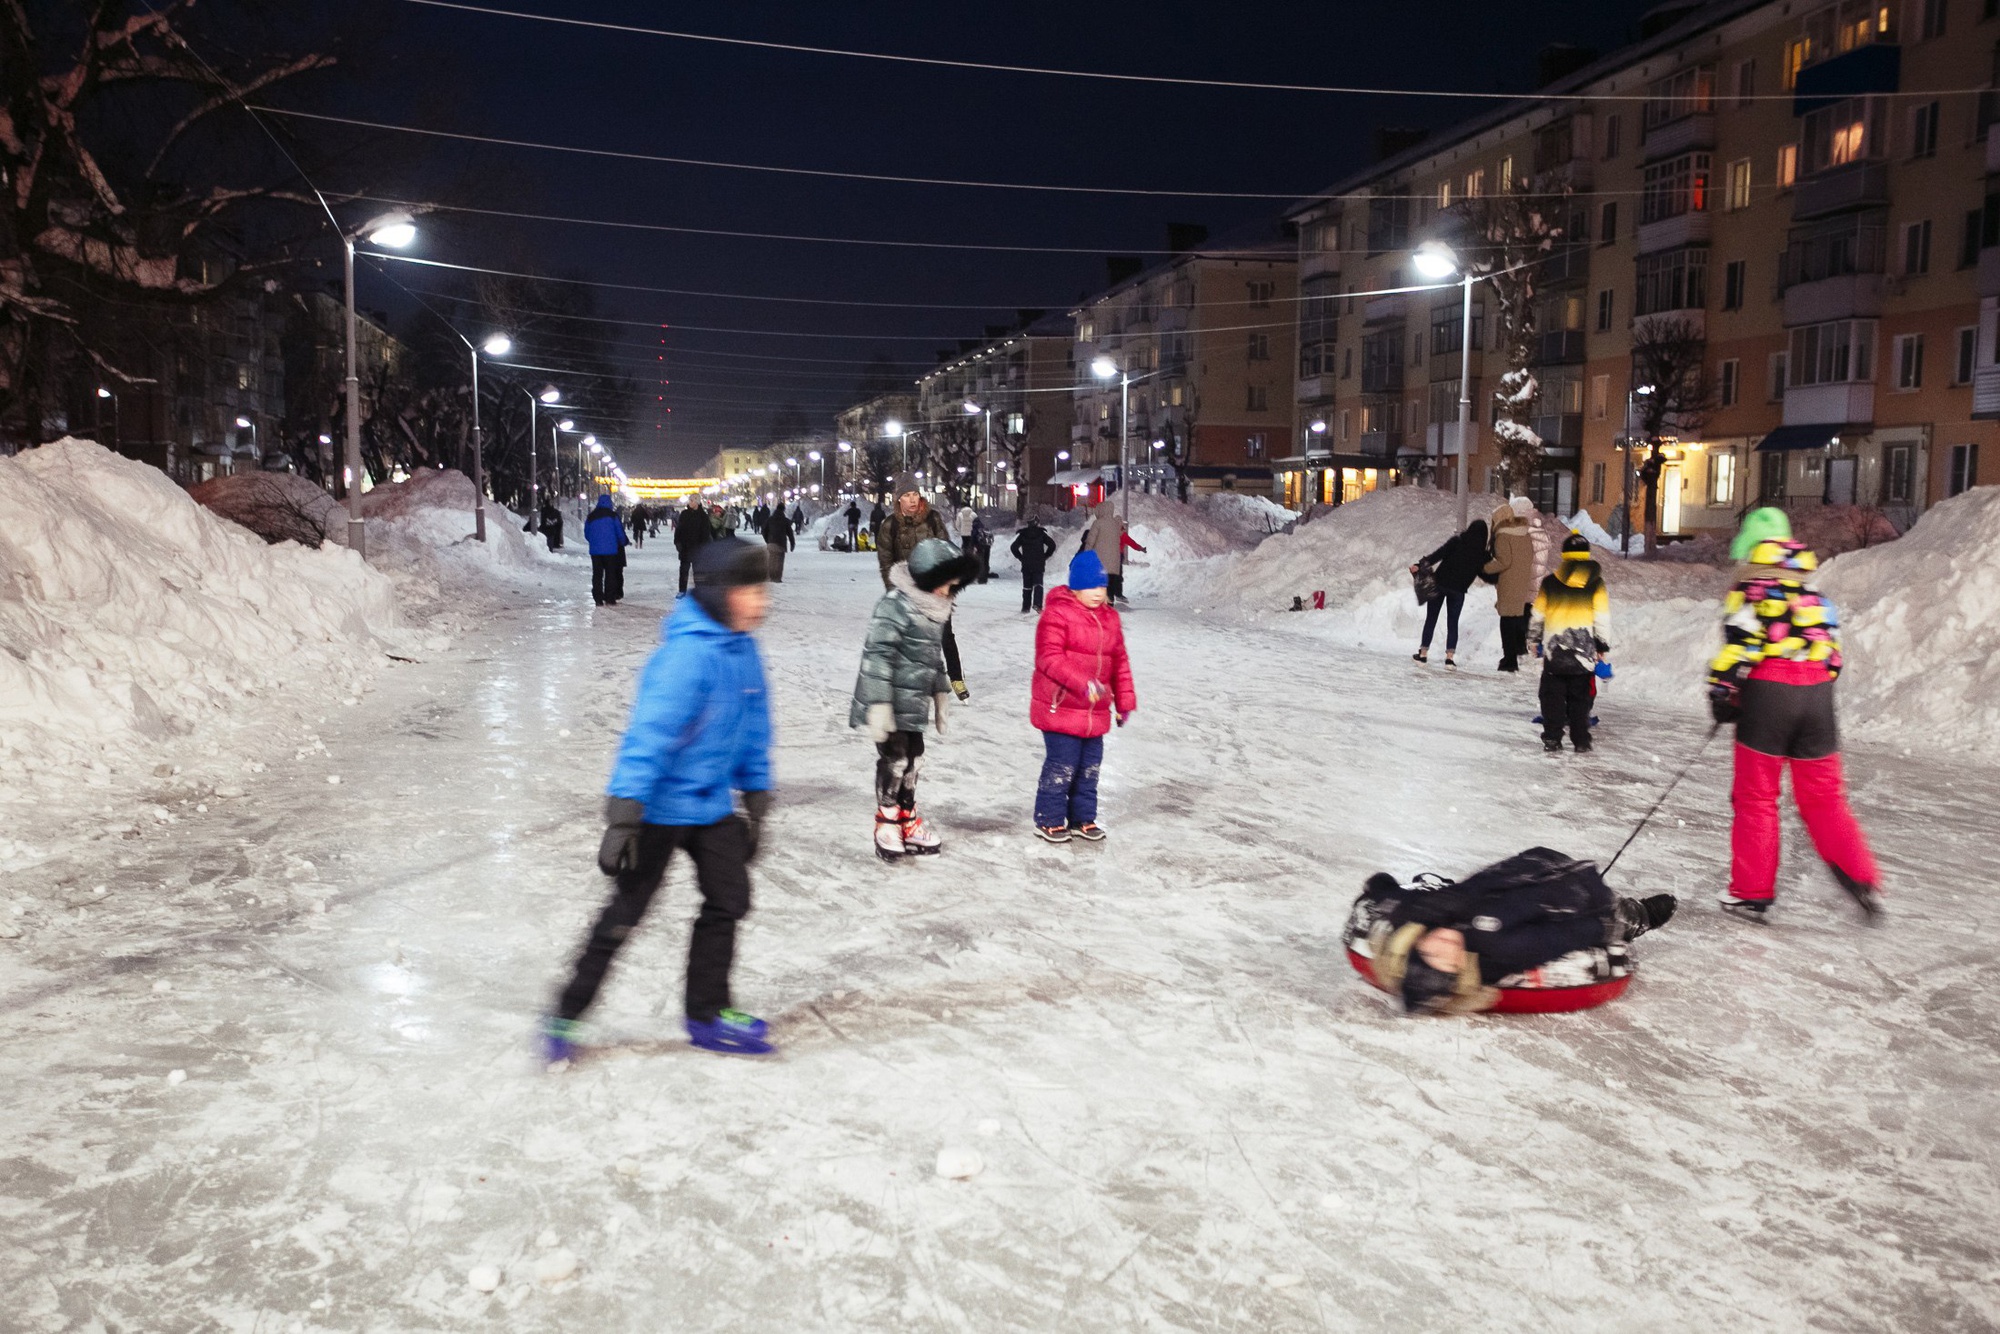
pixel 1075 645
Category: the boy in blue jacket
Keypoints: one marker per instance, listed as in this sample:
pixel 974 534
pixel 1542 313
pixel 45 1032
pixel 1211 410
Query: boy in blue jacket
pixel 605 532
pixel 700 732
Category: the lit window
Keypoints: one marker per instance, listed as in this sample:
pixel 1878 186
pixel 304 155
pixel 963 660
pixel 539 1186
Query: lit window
pixel 1739 185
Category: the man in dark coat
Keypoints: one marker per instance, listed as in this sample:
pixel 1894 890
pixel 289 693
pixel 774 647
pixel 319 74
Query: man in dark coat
pixel 638 520
pixel 692 531
pixel 853 525
pixel 758 515
pixel 778 539
pixel 605 532
pixel 798 519
pixel 1032 547
pixel 552 525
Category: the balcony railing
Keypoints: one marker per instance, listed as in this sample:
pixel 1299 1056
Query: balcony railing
pixel 1815 258
pixel 1855 185
pixel 1382 379
pixel 1559 347
pixel 1381 444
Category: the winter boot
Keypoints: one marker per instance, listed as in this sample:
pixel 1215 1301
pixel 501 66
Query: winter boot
pixel 1867 896
pixel 1551 747
pixel 1089 833
pixel 1449 659
pixel 889 834
pixel 1052 833
pixel 730 1031
pixel 1750 910
pixel 1638 916
pixel 560 1040
pixel 918 839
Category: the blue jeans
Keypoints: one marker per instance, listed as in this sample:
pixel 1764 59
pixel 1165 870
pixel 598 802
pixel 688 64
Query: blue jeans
pixel 1067 794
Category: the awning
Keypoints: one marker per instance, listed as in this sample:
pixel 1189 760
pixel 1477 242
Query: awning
pixel 1799 437
pixel 1077 477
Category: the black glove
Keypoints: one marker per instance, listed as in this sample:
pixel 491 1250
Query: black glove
pixel 620 849
pixel 756 805
pixel 1723 705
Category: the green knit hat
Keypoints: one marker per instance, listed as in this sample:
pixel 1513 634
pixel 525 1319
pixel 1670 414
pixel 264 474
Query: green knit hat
pixel 1760 525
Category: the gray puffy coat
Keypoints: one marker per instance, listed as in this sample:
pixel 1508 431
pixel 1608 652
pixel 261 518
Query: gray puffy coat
pixel 902 660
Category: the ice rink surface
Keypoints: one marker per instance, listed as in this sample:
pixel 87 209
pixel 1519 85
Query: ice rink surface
pixel 1191 1115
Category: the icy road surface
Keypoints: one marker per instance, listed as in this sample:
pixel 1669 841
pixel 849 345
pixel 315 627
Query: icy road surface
pixel 1191 1115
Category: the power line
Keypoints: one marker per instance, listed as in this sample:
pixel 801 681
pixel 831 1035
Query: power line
pixel 879 177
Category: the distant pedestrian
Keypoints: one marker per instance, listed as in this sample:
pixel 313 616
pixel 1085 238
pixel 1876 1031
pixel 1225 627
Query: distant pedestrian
pixel 853 526
pixel 798 520
pixel 1032 547
pixel 1453 568
pixel 779 538
pixel 692 532
pixel 552 525
pixel 1106 535
pixel 638 520
pixel 606 534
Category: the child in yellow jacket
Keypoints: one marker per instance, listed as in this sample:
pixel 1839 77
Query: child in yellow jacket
pixel 1567 632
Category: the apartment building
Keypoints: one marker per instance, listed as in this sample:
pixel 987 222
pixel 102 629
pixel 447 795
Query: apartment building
pixel 727 464
pixel 1758 189
pixel 1206 341
pixel 1013 393
pixel 864 428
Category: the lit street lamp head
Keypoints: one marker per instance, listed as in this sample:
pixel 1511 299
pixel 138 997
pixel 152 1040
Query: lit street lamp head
pixel 566 424
pixel 394 230
pixel 1104 368
pixel 971 408
pixel 892 428
pixel 102 392
pixel 1435 260
pixel 499 345
pixel 243 422
pixel 550 394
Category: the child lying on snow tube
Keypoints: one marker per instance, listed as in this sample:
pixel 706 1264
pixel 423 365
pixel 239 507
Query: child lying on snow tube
pixel 1535 933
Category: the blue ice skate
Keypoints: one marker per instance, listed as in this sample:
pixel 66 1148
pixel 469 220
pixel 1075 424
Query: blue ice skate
pixel 730 1031
pixel 560 1039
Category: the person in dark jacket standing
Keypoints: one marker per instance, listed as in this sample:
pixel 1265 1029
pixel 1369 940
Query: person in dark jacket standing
pixel 700 732
pixel 1032 547
pixel 896 538
pixel 692 531
pixel 1454 566
pixel 778 539
pixel 876 515
pixel 638 520
pixel 758 515
pixel 798 519
pixel 606 534
pixel 853 525
pixel 552 525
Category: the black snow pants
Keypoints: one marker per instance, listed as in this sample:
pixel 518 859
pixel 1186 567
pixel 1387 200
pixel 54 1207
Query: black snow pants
pixel 1566 701
pixel 1031 590
pixel 721 867
pixel 951 666
pixel 607 578
pixel 1513 641
pixel 898 762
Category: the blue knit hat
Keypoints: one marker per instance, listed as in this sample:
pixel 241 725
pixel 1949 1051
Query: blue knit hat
pixel 1086 571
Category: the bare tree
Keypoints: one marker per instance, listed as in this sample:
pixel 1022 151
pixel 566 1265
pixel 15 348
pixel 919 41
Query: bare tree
pixel 1012 445
pixel 1673 396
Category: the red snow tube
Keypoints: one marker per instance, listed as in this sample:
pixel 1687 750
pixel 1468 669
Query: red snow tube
pixel 1528 1000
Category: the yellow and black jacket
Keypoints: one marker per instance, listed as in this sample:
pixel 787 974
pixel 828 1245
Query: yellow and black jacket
pixel 1571 615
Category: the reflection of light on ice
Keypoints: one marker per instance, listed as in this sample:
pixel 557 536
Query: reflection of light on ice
pixel 393 980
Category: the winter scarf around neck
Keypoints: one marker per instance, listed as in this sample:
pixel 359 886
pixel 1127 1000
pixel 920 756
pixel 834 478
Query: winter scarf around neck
pixel 936 606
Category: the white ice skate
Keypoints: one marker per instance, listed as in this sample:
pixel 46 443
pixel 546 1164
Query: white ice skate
pixel 889 834
pixel 918 838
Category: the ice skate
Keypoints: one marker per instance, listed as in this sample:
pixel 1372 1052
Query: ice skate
pixel 889 834
pixel 730 1031
pixel 1092 832
pixel 1867 896
pixel 560 1040
pixel 919 840
pixel 1750 910
pixel 1052 833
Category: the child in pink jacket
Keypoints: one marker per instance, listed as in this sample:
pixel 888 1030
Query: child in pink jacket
pixel 1082 677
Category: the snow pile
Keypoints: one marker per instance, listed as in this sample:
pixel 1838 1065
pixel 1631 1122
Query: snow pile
pixel 130 614
pixel 277 506
pixel 1251 517
pixel 421 531
pixel 1920 624
pixel 1174 535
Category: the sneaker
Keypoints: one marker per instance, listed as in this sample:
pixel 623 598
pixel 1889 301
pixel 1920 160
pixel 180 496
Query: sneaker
pixel 1750 910
pixel 730 1031
pixel 1052 833
pixel 1867 896
pixel 1421 655
pixel 1449 661
pixel 561 1040
pixel 1089 833
pixel 958 689
pixel 918 838
pixel 889 834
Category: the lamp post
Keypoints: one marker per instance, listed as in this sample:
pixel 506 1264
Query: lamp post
pixel 394 230
pixel 1437 261
pixel 245 424
pixel 845 447
pixel 1104 368
pixel 1625 478
pixel 894 430
pixel 102 394
pixel 820 459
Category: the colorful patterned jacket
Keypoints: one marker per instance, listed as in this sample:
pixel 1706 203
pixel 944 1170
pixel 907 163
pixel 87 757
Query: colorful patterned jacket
pixel 1771 616
pixel 1571 615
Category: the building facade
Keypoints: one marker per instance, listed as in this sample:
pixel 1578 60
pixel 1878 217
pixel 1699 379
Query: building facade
pixel 1007 403
pixel 1203 347
pixel 865 428
pixel 1757 195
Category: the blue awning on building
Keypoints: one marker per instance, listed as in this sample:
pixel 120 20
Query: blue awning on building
pixel 1798 437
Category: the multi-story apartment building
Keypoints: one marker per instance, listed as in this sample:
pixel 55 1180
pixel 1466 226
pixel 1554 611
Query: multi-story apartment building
pixel 864 429
pixel 1207 341
pixel 1763 188
pixel 731 463
pixel 1013 393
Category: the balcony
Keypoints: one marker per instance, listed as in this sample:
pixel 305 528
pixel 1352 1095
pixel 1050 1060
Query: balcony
pixel 1561 433
pixel 1314 263
pixel 1830 405
pixel 1565 265
pixel 1838 189
pixel 1313 388
pixel 1559 348
pixel 1572 174
pixel 1385 309
pixel 1690 132
pixel 1382 379
pixel 1988 276
pixel 1853 294
pixel 1381 444
pixel 1986 393
pixel 1690 228
pixel 1874 68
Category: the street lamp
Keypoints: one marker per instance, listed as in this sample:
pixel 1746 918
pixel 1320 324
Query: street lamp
pixel 820 459
pixel 394 230
pixel 245 424
pixel 1104 368
pixel 1439 262
pixel 102 394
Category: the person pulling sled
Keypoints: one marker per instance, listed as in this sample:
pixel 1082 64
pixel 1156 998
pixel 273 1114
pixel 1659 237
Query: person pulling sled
pixel 903 688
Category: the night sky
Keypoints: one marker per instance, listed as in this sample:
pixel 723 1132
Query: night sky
pixel 519 79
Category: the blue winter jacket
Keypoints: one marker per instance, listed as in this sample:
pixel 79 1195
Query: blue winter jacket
pixel 604 530
pixel 701 725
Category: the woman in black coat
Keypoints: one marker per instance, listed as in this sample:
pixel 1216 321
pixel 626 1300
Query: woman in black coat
pixel 1454 567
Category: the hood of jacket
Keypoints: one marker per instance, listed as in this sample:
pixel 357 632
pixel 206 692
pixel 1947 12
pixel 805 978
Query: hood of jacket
pixel 934 606
pixel 1782 553
pixel 604 503
pixel 1578 570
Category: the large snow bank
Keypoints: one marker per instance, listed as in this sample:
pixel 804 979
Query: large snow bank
pixel 129 614
pixel 1921 627
pixel 422 530
pixel 1251 517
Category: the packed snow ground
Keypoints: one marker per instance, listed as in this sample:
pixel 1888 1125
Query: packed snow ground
pixel 266 1066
